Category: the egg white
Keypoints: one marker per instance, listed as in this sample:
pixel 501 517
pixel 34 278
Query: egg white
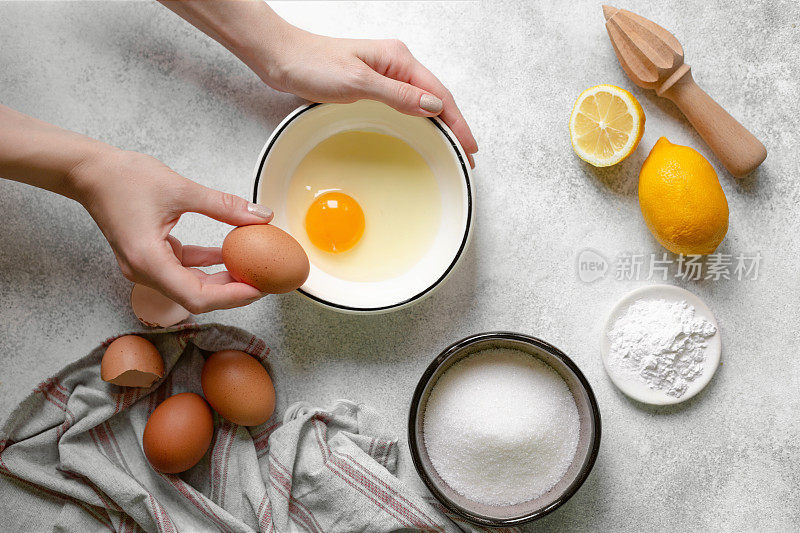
pixel 394 187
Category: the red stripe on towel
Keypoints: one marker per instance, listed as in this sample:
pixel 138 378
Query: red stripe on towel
pixel 50 392
pixel 299 516
pixel 226 455
pixel 369 496
pixel 105 441
pixel 320 431
pixel 386 497
pixel 219 460
pixel 107 503
pixel 261 439
pixel 95 512
pixel 197 499
pixel 286 480
pixel 264 514
pixel 390 490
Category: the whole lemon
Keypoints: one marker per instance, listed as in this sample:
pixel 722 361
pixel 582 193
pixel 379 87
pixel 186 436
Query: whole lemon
pixel 681 199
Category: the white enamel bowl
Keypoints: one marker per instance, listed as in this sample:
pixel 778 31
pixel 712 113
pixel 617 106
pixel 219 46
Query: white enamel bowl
pixel 306 127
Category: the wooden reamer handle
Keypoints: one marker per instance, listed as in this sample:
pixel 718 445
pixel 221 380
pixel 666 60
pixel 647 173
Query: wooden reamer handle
pixel 736 148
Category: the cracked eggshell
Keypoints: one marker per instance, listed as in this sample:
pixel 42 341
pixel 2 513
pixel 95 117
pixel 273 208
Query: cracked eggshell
pixel 265 257
pixel 131 361
pixel 155 310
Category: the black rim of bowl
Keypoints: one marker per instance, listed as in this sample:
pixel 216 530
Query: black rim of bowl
pixel 465 238
pixel 414 445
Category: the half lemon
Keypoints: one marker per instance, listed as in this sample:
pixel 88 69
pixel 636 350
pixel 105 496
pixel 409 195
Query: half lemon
pixel 606 125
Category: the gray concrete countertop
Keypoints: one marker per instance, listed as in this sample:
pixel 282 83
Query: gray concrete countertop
pixel 136 76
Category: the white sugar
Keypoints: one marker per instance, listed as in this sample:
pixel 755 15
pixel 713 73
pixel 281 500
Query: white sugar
pixel 501 427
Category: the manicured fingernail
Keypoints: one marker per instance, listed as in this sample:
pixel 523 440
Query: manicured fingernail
pixel 259 211
pixel 430 103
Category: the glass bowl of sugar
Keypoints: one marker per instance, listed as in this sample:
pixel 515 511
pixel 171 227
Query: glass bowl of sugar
pixel 503 428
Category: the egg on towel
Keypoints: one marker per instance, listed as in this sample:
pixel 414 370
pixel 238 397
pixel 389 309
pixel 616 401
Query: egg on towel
pixel 178 433
pixel 238 387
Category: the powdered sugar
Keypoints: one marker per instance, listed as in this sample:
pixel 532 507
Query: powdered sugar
pixel 661 343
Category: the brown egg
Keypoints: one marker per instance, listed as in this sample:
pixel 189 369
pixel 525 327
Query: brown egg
pixel 265 257
pixel 238 387
pixel 178 433
pixel 131 361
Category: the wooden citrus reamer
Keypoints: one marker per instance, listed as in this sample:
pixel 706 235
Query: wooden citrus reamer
pixel 653 58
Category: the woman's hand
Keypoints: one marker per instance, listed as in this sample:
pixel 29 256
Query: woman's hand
pixel 325 69
pixel 136 201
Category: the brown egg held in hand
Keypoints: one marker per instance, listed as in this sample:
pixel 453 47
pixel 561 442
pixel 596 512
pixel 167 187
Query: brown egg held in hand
pixel 178 433
pixel 265 257
pixel 131 361
pixel 238 387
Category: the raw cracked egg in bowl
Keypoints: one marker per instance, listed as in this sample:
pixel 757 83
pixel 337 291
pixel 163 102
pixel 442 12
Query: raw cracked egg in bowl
pixel 381 202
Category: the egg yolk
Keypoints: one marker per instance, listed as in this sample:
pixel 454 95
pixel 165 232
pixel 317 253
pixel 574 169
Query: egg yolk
pixel 334 222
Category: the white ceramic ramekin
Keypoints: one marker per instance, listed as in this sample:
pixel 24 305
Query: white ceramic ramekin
pixel 306 127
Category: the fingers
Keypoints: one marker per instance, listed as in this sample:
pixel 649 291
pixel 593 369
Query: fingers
pixel 217 278
pixel 451 114
pixel 402 96
pixel 195 290
pixel 407 81
pixel 200 294
pixel 195 256
pixel 225 207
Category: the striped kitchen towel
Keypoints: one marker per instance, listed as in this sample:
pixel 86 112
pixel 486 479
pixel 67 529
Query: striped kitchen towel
pixel 71 458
